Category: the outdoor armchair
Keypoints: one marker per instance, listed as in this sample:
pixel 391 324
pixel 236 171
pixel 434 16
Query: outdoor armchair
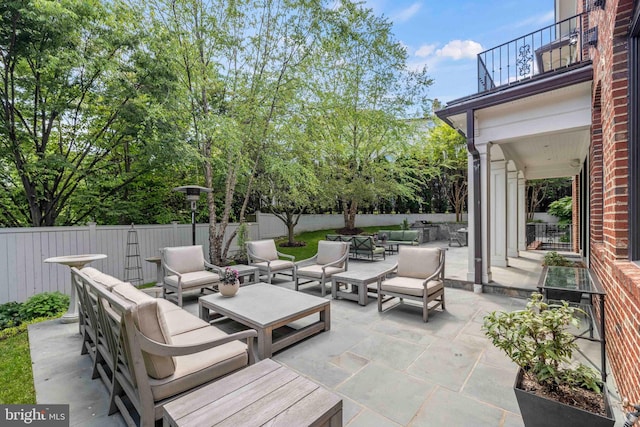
pixel 264 255
pixel 185 269
pixel 419 276
pixel 332 258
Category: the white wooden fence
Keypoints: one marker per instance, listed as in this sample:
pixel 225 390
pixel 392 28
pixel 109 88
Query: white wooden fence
pixel 23 250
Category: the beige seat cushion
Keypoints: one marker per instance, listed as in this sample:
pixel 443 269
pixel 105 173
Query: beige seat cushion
pixel 276 265
pixel 264 249
pixel 316 271
pixel 151 323
pixel 410 286
pixel 199 368
pixel 418 263
pixel 194 279
pixel 184 259
pixel 101 278
pixel 329 252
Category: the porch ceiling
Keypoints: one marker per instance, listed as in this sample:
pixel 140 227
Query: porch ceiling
pixel 545 134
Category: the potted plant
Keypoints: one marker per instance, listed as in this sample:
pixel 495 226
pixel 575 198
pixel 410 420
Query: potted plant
pixel 551 389
pixel 230 282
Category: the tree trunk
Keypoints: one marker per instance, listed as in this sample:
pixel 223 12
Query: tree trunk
pixel 350 211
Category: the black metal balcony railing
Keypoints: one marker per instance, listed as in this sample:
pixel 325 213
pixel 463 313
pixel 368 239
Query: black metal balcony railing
pixel 550 237
pixel 551 48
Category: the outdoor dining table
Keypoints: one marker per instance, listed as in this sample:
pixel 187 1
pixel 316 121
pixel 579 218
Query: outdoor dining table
pixel 78 261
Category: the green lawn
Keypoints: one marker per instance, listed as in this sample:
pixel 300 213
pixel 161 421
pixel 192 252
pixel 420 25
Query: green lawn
pixel 312 238
pixel 16 376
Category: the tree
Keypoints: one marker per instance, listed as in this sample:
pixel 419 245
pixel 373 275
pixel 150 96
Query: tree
pixel 238 64
pixel 360 94
pixel 563 209
pixel 69 83
pixel 289 182
pixel 444 157
pixel 541 191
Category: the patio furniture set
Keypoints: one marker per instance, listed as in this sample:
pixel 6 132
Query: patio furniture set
pixel 158 361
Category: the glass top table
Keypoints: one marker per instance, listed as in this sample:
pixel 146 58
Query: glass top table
pixel 569 284
pixel 575 279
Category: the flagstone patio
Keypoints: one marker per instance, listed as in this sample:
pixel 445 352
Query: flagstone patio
pixel 390 368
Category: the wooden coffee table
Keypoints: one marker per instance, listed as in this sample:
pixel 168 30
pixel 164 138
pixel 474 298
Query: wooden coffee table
pixel 266 308
pixel 266 393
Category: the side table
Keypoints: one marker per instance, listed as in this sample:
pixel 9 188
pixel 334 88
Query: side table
pixel 357 279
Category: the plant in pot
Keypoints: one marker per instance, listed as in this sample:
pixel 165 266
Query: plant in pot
pixel 230 282
pixel 551 388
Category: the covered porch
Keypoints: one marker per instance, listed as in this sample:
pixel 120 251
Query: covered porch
pixel 539 128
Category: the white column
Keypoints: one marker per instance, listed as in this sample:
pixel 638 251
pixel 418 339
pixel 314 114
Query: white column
pixel 498 213
pixel 486 196
pixel 522 212
pixel 471 202
pixel 512 214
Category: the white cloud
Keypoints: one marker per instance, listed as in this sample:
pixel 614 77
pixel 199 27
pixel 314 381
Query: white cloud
pixel 405 14
pixel 460 49
pixel 425 50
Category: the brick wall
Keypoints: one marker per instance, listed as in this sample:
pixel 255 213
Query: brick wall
pixel 609 194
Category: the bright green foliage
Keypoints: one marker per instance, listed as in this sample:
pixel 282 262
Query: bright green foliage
pixel 10 315
pixel 538 341
pixel 46 304
pixel 360 93
pixel 553 258
pixel 562 209
pixel 443 157
pixel 81 109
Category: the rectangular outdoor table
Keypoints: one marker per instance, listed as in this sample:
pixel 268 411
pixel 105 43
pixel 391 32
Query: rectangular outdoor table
pixel 266 393
pixel 266 308
pixel 357 279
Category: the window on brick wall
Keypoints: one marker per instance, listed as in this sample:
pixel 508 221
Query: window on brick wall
pixel 634 138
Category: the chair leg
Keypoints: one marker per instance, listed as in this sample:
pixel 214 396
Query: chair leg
pixel 425 310
pixel 269 277
pixel 379 300
pixel 323 291
pixel 442 298
pixel 180 298
pixel 296 283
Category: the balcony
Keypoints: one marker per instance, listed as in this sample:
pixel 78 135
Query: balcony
pixel 558 46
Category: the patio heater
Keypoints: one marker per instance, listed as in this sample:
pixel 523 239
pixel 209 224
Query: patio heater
pixel 193 195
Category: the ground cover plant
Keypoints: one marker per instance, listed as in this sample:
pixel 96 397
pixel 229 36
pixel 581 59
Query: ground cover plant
pixel 16 375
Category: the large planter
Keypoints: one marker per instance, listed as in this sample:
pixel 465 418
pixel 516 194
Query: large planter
pixel 539 411
pixel 228 290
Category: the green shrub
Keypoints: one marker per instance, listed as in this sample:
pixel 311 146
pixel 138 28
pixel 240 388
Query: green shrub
pixel 405 224
pixel 538 341
pixel 46 304
pixel 553 258
pixel 10 315
pixel 562 209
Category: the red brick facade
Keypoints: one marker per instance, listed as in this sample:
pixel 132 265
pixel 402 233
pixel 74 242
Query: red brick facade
pixel 609 207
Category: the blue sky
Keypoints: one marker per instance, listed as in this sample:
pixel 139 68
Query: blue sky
pixel 447 35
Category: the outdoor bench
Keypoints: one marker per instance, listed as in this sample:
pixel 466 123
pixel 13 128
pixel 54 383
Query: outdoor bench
pixel 149 351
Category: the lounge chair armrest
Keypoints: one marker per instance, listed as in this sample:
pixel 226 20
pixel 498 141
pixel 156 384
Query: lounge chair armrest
pixel 291 257
pixel 215 268
pixel 308 261
pixel 156 348
pixel 338 261
pixel 390 270
pixel 172 271
pixel 257 258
